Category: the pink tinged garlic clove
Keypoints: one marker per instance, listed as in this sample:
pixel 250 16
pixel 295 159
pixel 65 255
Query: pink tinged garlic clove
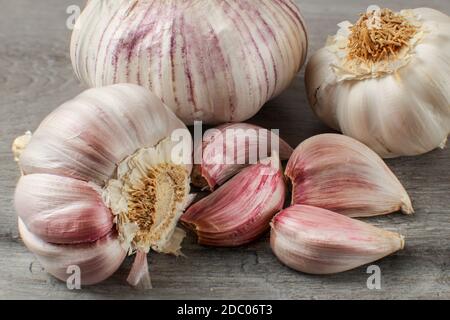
pixel 97 260
pixel 318 241
pixel 338 173
pixel 215 61
pixel 62 210
pixel 228 149
pixel 240 211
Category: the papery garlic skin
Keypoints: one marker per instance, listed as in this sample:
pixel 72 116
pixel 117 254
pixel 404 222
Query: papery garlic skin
pixel 240 211
pixel 166 199
pixel 318 241
pixel 139 276
pixel 97 176
pixel 339 173
pixel 229 148
pixel 62 210
pixel 81 140
pixel 97 260
pixel 209 60
pixel 398 107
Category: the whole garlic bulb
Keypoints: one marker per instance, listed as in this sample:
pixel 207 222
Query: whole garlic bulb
pixel 103 176
pixel 385 81
pixel 211 60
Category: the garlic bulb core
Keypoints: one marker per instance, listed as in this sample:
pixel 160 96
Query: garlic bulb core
pixel 147 197
pixel 114 161
pixel 379 35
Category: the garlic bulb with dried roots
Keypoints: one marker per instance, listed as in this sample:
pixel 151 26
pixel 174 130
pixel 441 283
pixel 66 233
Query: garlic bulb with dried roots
pixel 210 60
pixel 385 80
pixel 338 173
pixel 229 148
pixel 105 174
pixel 318 241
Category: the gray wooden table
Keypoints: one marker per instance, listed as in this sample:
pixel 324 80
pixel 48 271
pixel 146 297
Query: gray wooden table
pixel 36 76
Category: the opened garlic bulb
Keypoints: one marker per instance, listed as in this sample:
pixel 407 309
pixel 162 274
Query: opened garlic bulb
pixel 211 60
pixel 240 211
pixel 229 148
pixel 385 81
pixel 104 175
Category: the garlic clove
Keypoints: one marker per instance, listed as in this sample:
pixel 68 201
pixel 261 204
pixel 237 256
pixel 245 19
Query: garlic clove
pixel 340 174
pixel 318 241
pixel 97 260
pixel 239 211
pixel 215 61
pixel 88 136
pixel 229 148
pixel 62 210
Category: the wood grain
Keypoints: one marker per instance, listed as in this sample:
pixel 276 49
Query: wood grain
pixel 36 76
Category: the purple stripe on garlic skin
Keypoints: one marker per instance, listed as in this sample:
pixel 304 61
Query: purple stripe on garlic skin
pixel 97 260
pixel 340 174
pixel 222 158
pixel 239 212
pixel 318 241
pixel 398 106
pixel 62 210
pixel 180 51
pixel 105 174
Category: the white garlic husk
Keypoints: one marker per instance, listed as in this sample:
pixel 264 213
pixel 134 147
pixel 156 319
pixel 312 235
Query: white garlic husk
pixel 114 163
pixel 97 260
pixel 399 105
pixel 215 61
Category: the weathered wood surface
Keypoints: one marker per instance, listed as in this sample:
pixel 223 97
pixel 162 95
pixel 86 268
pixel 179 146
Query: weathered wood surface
pixel 36 76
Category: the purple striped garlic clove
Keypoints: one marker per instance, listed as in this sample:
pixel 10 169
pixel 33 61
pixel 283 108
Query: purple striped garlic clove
pixel 318 241
pixel 240 211
pixel 228 149
pixel 340 174
pixel 97 260
pixel 62 210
